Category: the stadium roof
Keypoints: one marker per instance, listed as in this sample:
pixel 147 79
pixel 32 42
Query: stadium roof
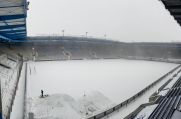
pixel 174 6
pixel 13 20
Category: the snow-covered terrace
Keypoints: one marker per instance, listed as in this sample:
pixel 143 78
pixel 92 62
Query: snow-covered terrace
pixel 9 74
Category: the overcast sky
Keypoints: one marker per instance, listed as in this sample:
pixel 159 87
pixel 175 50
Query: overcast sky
pixel 123 20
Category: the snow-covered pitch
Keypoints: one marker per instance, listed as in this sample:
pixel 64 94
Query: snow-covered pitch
pixel 86 87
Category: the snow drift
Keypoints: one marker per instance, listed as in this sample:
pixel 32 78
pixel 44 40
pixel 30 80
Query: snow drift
pixel 63 106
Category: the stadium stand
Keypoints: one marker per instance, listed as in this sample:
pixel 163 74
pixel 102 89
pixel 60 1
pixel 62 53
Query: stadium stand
pixel 9 75
pixel 79 49
pixel 13 28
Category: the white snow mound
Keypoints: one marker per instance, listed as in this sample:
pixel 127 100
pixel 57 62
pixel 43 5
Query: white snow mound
pixel 94 102
pixel 62 106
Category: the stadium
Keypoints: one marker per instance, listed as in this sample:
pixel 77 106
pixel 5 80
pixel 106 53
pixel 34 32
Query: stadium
pixel 81 77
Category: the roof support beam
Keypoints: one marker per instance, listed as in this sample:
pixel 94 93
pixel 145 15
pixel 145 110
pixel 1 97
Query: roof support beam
pixel 12 31
pixel 177 16
pixel 173 7
pixel 16 33
pixel 4 38
pixel 12 26
pixel 11 17
pixel 175 12
pixel 179 21
pixel 11 6
pixel 13 36
pixel 171 2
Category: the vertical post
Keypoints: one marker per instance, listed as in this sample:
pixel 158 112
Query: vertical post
pixel 33 53
pixel 0 103
pixel 86 34
pixel 31 115
pixel 25 83
pixel 105 35
pixel 63 32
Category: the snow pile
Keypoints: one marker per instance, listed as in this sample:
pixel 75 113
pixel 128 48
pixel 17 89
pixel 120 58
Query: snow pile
pixel 93 103
pixel 55 106
pixel 63 106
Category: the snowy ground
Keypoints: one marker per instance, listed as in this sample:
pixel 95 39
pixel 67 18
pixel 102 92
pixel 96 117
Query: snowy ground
pixel 114 80
pixel 62 106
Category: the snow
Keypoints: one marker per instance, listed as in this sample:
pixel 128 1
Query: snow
pixel 106 76
pixel 123 112
pixel 163 92
pixel 146 112
pixel 63 106
pixel 18 106
pixel 172 82
pixel 94 102
pixel 8 82
pixel 141 100
pixel 53 107
pixel 115 80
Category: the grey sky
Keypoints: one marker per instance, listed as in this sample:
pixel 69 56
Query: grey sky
pixel 123 20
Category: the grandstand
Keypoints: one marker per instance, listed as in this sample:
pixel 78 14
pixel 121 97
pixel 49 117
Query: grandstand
pixel 9 71
pixel 62 48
